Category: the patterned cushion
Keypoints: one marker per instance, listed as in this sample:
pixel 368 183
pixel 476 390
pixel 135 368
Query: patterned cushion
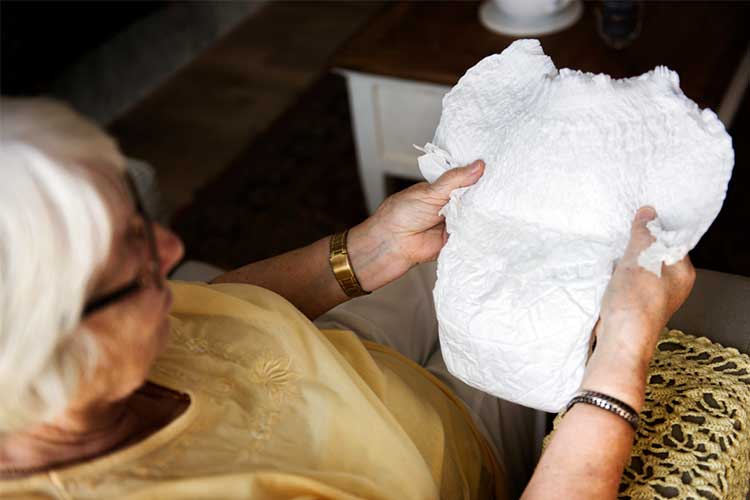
pixel 693 440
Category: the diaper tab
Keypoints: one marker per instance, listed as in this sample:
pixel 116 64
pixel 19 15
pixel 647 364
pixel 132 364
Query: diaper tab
pixel 434 162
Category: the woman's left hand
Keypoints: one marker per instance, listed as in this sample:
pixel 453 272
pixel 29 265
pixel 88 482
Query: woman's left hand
pixel 406 229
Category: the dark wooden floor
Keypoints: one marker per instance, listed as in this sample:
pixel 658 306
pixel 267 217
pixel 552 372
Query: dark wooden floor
pixel 195 124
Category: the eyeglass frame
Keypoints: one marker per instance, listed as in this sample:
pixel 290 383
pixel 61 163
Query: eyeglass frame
pixel 154 261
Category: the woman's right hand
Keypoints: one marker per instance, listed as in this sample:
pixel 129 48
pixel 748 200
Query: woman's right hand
pixel 635 308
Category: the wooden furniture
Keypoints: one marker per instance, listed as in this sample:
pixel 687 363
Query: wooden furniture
pixel 408 57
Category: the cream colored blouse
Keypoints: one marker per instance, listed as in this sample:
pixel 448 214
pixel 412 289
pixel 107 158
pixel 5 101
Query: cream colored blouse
pixel 282 410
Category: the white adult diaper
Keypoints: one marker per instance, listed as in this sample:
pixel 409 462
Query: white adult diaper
pixel 570 157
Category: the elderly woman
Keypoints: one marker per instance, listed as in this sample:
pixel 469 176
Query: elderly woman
pixel 116 384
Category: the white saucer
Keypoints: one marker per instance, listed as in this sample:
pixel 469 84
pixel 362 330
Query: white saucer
pixel 496 20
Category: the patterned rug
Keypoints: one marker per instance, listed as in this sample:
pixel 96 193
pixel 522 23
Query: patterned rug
pixel 298 182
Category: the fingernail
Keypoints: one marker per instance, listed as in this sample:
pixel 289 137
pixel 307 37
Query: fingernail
pixel 645 213
pixel 476 166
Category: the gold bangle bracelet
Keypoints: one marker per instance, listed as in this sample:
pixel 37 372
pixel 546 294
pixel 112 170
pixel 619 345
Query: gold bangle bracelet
pixel 342 267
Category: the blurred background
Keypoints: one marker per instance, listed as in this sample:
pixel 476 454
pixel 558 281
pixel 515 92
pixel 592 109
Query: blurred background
pixel 273 123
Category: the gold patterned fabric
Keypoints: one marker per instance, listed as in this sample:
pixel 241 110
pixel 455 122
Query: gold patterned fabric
pixel 693 440
pixel 281 410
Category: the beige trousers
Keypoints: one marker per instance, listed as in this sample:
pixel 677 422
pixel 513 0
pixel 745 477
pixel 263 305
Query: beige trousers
pixel 401 315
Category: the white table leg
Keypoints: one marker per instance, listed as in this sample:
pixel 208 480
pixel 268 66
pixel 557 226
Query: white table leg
pixel 389 116
pixel 370 166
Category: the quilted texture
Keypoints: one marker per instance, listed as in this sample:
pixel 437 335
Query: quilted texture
pixel 570 157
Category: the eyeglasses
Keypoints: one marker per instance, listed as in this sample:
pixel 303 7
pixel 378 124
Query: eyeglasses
pixel 154 264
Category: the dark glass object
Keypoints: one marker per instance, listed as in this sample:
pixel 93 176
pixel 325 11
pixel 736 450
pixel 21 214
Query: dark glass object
pixel 619 22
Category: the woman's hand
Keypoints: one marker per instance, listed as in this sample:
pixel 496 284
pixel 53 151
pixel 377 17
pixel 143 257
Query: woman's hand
pixel 406 228
pixel 635 308
pixel 637 298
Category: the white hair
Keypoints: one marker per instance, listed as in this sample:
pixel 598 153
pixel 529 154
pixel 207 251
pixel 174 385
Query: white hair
pixel 55 230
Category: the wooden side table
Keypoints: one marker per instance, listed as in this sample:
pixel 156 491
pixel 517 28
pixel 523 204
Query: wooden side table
pixel 399 68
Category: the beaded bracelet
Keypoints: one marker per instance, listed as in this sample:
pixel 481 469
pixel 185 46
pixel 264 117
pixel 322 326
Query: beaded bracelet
pixel 614 405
